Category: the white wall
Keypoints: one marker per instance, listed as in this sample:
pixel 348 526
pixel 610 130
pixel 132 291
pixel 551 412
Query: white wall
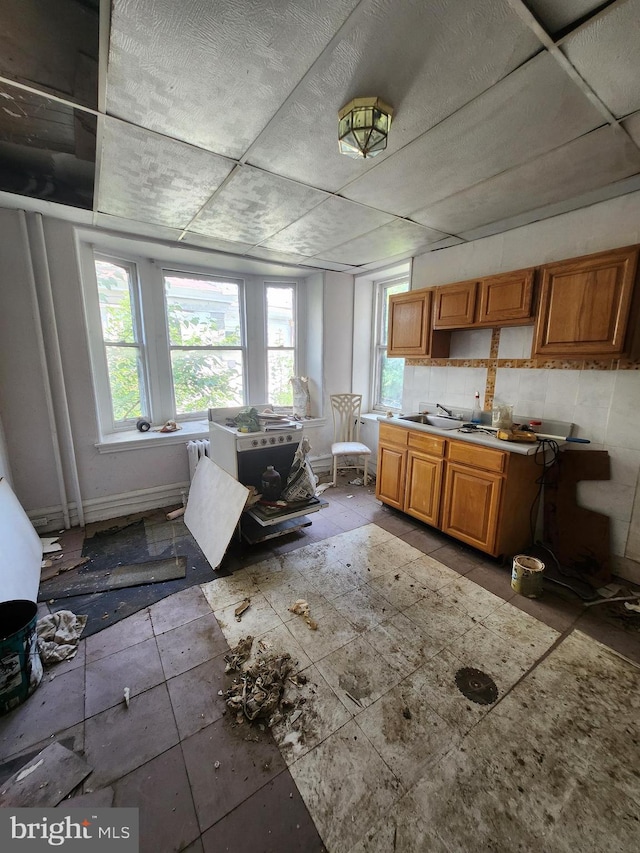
pixel 602 403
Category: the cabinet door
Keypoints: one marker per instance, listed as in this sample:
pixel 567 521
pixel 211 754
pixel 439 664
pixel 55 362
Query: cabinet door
pixel 471 506
pixel 390 475
pixel 506 300
pixel 424 481
pixel 454 305
pixel 409 323
pixel 584 305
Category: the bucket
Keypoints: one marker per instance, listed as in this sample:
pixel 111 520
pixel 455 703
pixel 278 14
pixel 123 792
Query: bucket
pixel 20 664
pixel 526 576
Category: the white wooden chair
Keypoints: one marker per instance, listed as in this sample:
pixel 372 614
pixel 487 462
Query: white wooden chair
pixel 346 433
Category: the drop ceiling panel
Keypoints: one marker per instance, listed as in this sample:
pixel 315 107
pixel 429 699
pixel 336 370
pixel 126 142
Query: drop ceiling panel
pixel 397 238
pixel 556 16
pixel 632 126
pixel 278 257
pixel 216 244
pixel 213 73
pixel 52 45
pixel 535 109
pixel 151 178
pixel 330 224
pixel 605 53
pixel 253 205
pixel 595 160
pixel 425 59
pixel 132 226
pixel 326 265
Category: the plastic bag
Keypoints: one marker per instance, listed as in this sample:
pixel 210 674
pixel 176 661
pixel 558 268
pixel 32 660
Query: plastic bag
pixel 301 482
pixel 301 397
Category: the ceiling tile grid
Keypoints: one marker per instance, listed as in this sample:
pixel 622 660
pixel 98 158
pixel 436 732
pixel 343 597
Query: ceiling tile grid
pixel 535 109
pixel 331 223
pixel 252 205
pixel 594 160
pixel 213 74
pixel 425 59
pixel 395 238
pixel 555 16
pixel 153 178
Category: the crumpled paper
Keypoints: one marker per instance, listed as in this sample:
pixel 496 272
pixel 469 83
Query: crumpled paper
pixel 59 636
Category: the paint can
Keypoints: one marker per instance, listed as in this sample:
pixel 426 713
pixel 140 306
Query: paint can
pixel 526 576
pixel 20 664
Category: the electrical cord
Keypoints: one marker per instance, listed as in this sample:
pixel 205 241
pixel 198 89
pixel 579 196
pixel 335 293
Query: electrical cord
pixel 546 456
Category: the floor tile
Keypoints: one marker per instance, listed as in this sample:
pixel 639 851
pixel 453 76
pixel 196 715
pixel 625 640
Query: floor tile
pixel 280 641
pixel 259 618
pixel 364 608
pixel 120 739
pixel 398 588
pixel 102 799
pixel 336 578
pixel 185 647
pixel 408 735
pixel 521 630
pixel 194 847
pixel 160 790
pixel 240 771
pixel 379 558
pixel 430 572
pixel 439 617
pixel 396 522
pixel 127 632
pixel 497 579
pixel 554 611
pixel 401 830
pixel 195 696
pixel 346 786
pixel 425 539
pixel 177 609
pixel 623 640
pixel 273 820
pixel 53 707
pixel 333 632
pixel 475 601
pixel 284 589
pixel 357 674
pixel 403 645
pixel 322 715
pixel 76 662
pixel 224 591
pixel 481 649
pixel 458 558
pixel 137 668
pixel 71 738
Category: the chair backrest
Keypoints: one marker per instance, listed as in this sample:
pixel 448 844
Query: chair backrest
pixel 346 416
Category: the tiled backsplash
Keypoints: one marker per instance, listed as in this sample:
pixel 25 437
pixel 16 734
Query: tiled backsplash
pixel 602 399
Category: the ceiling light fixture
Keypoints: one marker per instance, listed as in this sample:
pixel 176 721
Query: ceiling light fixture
pixel 363 127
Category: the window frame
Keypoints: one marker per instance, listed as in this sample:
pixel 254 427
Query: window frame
pixel 180 271
pixel 293 286
pixel 155 329
pixel 380 337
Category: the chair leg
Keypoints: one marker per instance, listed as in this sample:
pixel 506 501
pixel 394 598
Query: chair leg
pixel 366 462
pixel 335 471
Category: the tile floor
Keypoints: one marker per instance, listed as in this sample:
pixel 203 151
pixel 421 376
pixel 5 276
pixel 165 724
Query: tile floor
pixel 388 754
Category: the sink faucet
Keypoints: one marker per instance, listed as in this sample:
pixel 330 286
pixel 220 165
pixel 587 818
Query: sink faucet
pixel 444 409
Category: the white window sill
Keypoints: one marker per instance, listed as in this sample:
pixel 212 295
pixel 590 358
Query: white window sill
pixel 132 439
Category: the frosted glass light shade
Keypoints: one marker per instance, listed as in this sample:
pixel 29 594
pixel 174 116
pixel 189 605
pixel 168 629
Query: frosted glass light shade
pixel 363 127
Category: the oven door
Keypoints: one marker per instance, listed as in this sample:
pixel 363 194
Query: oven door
pixel 252 463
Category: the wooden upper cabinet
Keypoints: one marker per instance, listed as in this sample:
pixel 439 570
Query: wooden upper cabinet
pixel 585 304
pixel 506 299
pixel 409 331
pixel 454 305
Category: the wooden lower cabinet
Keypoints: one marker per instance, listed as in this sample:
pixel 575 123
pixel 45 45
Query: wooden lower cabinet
pixel 481 496
pixel 472 506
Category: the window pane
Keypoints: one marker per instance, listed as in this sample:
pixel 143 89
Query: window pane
pixel 280 366
pixel 115 302
pixel 280 319
pixel 202 312
pixel 391 379
pixel 204 379
pixel 125 381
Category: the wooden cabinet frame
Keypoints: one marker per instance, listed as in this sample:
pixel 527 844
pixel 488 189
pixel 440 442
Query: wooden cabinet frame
pixel 410 332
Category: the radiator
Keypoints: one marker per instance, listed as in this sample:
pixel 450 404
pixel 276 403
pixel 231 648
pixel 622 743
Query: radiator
pixel 196 450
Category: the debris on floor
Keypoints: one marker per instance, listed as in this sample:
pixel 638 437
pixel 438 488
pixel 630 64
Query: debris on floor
pixel 257 693
pixel 240 609
pixel 127 696
pixel 45 780
pixel 476 685
pixel 301 608
pixel 176 513
pixel 59 635
pixel 239 654
pixel 50 544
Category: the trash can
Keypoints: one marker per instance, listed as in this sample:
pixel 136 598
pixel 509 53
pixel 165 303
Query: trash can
pixel 526 576
pixel 20 664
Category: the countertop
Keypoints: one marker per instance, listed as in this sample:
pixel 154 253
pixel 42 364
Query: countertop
pixel 482 438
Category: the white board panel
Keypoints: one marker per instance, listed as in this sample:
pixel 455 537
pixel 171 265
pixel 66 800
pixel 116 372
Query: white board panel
pixel 20 550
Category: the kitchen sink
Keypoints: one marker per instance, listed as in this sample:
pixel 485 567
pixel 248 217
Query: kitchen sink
pixel 440 421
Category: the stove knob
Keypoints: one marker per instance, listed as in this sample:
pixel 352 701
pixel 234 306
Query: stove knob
pixel 254 443
pixel 263 441
pixel 272 440
pixel 281 438
pixel 289 438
